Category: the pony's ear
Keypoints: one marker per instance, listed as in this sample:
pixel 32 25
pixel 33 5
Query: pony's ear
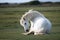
pixel 30 10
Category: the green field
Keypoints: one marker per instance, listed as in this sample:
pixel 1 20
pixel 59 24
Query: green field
pixel 10 29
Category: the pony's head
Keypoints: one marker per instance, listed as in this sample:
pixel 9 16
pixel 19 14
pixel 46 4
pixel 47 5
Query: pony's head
pixel 25 23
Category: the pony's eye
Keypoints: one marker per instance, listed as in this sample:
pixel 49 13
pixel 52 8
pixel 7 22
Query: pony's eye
pixel 25 23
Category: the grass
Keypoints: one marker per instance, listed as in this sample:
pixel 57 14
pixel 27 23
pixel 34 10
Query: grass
pixel 10 29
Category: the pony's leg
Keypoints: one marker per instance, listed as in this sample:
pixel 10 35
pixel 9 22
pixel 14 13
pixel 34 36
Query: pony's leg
pixel 47 31
pixel 37 33
pixel 41 32
pixel 27 33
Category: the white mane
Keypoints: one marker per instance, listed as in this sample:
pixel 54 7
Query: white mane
pixel 32 14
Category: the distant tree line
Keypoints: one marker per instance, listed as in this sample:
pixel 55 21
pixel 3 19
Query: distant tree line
pixel 4 3
pixel 36 2
pixel 39 3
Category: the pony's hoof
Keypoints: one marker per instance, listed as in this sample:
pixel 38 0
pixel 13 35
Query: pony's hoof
pixel 24 33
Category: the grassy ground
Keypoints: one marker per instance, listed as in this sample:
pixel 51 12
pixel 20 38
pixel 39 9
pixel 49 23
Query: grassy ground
pixel 10 29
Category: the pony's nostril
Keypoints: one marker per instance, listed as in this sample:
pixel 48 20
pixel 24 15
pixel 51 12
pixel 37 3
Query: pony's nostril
pixel 27 30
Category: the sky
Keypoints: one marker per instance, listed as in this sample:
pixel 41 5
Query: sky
pixel 21 1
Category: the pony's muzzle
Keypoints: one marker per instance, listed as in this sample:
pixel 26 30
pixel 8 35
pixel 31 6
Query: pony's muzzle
pixel 27 30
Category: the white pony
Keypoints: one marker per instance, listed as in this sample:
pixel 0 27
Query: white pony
pixel 38 23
